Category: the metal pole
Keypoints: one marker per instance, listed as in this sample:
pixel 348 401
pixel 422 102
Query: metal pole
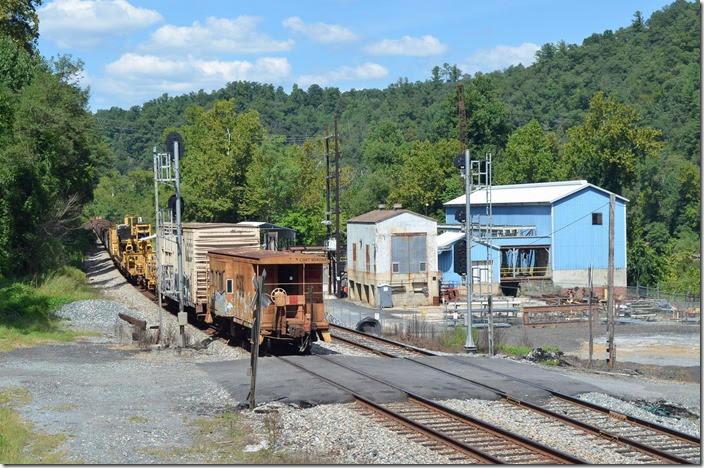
pixel 156 231
pixel 610 301
pixel 591 318
pixel 182 317
pixel 469 345
pixel 256 330
pixel 491 327
pixel 337 213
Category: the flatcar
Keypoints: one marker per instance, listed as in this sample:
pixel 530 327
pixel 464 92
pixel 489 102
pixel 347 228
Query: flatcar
pixel 293 312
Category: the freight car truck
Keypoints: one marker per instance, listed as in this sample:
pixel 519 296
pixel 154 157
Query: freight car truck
pixel 294 311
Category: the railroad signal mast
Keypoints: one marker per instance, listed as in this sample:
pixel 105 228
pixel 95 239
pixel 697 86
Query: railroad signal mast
pixel 169 226
pixel 477 175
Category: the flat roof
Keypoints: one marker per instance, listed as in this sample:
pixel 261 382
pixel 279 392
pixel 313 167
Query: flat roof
pixel 527 194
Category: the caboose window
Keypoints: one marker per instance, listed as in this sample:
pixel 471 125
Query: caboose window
pixel 229 286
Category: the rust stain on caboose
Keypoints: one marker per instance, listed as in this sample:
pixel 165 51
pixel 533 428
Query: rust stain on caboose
pixel 294 285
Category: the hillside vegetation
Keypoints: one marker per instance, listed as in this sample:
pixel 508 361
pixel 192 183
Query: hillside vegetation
pixel 620 110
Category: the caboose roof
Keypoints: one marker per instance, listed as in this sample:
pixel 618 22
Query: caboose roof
pixel 270 256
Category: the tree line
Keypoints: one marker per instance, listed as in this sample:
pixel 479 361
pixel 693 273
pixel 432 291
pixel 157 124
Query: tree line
pixel 620 110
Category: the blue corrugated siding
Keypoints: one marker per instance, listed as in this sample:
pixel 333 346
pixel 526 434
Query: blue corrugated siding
pixel 446 265
pixel 577 242
pixel 519 215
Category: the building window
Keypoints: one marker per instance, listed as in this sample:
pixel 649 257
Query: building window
pixel 354 252
pixel 596 218
pixel 394 267
pixel 229 286
pixel 421 268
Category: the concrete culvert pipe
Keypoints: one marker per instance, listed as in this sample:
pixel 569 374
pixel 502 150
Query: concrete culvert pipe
pixel 369 325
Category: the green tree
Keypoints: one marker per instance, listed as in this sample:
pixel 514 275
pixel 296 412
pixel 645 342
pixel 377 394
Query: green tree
pixel 19 21
pixel 50 157
pixel 531 155
pixel 219 146
pixel 607 148
pixel 422 179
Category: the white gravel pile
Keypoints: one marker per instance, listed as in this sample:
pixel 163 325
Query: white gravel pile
pixel 688 426
pixel 102 274
pixel 542 429
pixel 345 436
pixel 97 315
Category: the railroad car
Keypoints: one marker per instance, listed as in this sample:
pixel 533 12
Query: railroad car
pixel 293 312
pixel 198 238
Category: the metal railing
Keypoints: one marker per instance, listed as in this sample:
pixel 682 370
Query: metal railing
pixel 524 272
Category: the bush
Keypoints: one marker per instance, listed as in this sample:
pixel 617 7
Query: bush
pixel 27 312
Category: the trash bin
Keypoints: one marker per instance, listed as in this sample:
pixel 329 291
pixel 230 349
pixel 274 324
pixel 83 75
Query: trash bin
pixel 385 296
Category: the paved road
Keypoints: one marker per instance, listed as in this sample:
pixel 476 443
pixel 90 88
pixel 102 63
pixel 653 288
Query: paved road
pixel 279 381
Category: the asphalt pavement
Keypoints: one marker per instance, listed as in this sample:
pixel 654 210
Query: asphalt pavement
pixel 279 381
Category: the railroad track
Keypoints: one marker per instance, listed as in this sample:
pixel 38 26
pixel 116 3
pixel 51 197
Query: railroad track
pixel 451 433
pixel 652 440
pixel 375 344
pixel 642 441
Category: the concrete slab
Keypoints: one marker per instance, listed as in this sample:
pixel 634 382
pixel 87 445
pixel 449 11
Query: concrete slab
pixel 279 381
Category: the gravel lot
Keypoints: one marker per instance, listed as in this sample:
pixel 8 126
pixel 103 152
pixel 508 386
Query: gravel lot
pixel 121 404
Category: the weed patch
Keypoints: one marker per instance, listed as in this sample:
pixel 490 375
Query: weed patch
pixel 19 442
pixel 27 310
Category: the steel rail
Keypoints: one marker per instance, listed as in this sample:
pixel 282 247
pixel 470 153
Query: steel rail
pixel 386 340
pixel 637 421
pixel 649 450
pixel 455 444
pixel 365 347
pixel 549 452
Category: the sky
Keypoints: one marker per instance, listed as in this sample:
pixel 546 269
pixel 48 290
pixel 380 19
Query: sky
pixel 136 50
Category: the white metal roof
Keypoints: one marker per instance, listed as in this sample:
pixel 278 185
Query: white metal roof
pixel 447 238
pixel 527 194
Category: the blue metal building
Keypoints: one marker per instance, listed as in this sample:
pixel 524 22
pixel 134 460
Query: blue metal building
pixel 544 231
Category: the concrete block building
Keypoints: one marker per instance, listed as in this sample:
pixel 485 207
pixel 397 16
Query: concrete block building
pixel 544 231
pixel 394 248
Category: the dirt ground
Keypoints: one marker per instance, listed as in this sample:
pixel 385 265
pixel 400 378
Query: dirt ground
pixel 663 350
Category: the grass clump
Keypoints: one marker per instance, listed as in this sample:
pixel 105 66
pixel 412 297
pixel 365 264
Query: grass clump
pixel 138 419
pixel 222 440
pixel 27 310
pixel 514 350
pixel 19 442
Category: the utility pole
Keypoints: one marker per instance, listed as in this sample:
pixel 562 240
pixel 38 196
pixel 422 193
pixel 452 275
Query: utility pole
pixel 327 221
pixel 610 299
pixel 591 318
pixel 462 116
pixel 469 345
pixel 338 291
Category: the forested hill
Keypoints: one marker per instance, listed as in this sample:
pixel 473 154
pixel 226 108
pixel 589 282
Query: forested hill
pixel 621 110
pixel 652 65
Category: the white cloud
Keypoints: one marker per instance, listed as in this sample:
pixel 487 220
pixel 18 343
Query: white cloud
pixel 407 45
pixel 500 57
pixel 320 32
pixel 237 35
pixel 367 71
pixel 85 23
pixel 136 77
